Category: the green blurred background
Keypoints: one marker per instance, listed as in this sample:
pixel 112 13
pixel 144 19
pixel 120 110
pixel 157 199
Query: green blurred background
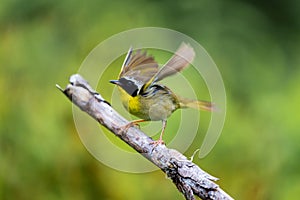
pixel 254 43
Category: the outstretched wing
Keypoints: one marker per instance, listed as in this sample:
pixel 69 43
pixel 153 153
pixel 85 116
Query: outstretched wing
pixel 139 66
pixel 180 60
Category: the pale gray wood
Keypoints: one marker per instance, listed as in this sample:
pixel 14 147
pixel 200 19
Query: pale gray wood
pixel 187 176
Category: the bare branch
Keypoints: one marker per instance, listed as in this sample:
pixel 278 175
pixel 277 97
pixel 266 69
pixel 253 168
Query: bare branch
pixel 187 176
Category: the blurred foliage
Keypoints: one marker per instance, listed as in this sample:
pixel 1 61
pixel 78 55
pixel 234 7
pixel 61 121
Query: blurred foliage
pixel 254 43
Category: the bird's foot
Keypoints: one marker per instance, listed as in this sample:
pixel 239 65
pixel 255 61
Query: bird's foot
pixel 129 125
pixel 158 142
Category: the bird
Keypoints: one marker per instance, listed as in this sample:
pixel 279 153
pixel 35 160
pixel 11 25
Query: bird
pixel 144 97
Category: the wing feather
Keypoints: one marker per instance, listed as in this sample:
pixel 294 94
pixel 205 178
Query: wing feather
pixel 179 61
pixel 139 66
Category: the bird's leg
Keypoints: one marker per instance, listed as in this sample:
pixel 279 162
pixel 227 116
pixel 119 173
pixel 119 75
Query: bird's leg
pixel 132 123
pixel 160 140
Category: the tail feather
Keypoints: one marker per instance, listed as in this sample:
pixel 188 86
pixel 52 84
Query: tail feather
pixel 200 105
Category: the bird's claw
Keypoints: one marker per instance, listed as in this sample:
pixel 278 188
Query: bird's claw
pixel 158 142
pixel 129 125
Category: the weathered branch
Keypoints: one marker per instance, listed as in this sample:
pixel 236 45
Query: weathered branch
pixel 187 176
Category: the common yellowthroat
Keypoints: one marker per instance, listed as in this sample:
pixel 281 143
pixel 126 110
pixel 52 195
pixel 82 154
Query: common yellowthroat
pixel 144 97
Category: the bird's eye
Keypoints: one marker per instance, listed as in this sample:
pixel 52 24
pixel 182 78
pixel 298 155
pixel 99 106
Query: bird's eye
pixel 135 93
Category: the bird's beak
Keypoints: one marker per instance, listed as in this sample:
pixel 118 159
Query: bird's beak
pixel 116 82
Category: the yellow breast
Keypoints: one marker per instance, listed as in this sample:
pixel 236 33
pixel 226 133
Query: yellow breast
pixel 132 104
pixel 157 107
